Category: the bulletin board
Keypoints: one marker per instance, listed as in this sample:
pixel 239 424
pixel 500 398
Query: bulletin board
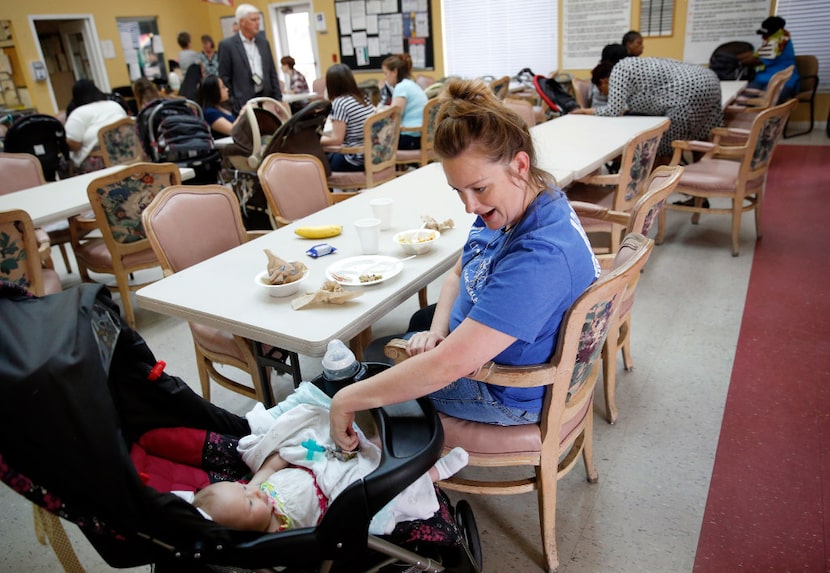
pixel 371 30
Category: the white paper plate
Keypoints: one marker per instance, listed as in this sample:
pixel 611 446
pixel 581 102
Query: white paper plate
pixel 349 270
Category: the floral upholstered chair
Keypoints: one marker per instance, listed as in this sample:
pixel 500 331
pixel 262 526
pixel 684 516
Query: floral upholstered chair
pixel 20 260
pixel 380 142
pixel 734 172
pixel 119 143
pixel 425 154
pixel 118 201
pixel 621 190
pixel 553 446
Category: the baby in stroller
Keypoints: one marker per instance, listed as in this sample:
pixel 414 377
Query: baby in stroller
pixel 98 390
pixel 292 486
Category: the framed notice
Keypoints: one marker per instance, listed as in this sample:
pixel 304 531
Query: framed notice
pixel 370 30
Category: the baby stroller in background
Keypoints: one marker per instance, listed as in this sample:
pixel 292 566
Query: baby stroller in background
pixel 174 130
pixel 44 137
pixel 80 387
pixel 266 126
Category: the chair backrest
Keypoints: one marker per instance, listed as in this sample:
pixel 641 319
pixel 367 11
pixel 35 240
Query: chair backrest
pixel 572 371
pixel 118 200
pixel 301 133
pixel 19 258
pixel 764 135
pixel 424 81
pixel 774 88
pixel 294 185
pixel 44 137
pixel 119 143
pixel 635 166
pixel 187 224
pixel 582 92
pixel 380 141
pixel 523 109
pixel 500 86
pixel 807 67
pixel 19 171
pixel 661 183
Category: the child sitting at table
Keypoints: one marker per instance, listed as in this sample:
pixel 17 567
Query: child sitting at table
pixel 299 471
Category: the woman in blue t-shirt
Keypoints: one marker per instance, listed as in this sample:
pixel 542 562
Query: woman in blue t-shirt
pixel 406 95
pixel 215 101
pixel 526 260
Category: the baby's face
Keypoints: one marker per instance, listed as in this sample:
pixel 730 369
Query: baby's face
pixel 241 506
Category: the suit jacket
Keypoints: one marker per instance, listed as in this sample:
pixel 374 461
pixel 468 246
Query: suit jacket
pixel 235 70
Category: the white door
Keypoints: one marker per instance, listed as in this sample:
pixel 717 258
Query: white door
pixel 74 42
pixel 295 36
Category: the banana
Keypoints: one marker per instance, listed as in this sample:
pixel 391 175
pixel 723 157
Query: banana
pixel 319 231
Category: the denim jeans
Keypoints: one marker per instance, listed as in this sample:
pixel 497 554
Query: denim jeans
pixel 471 400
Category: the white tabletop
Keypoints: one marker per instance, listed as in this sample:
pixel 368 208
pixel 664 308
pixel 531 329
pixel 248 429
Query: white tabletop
pixel 58 200
pixel 291 98
pixel 221 291
pixel 730 89
pixel 581 144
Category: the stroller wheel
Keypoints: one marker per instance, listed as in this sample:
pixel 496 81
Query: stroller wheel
pixel 466 522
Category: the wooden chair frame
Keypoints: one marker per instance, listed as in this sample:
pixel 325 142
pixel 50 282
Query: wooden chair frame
pixel 569 378
pixel 373 173
pixel 425 154
pixel 127 140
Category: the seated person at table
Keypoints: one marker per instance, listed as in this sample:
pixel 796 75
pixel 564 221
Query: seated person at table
pixel 688 94
pixel 87 113
pixel 775 54
pixel 350 108
pixel 632 41
pixel 524 263
pixel 299 471
pixel 216 106
pixel 408 96
pixel 145 92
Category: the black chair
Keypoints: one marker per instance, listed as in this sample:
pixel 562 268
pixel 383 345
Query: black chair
pixel 191 81
pixel 42 136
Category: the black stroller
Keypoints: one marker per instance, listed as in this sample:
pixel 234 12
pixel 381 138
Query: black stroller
pixel 79 387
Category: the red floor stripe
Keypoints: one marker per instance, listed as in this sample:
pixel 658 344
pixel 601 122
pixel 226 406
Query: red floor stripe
pixel 769 499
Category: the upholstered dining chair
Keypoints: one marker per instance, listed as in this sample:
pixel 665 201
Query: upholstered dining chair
pixel 523 108
pixel 553 446
pixel 741 114
pixel 295 186
pixel 119 144
pixel 175 223
pixel 582 92
pixel 20 259
pixel 734 172
pixel 807 67
pixel 23 171
pixel 425 154
pixel 661 183
pixel 118 200
pixel 500 86
pixel 380 143
pixel 621 190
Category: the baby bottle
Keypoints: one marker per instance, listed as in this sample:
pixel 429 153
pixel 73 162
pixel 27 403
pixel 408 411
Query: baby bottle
pixel 340 367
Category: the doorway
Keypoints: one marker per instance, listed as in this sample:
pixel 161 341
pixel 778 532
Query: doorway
pixel 295 35
pixel 68 46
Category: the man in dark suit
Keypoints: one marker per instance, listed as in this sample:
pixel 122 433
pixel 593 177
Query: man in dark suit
pixel 246 65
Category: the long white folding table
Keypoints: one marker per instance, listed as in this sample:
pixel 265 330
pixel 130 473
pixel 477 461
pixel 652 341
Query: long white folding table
pixel 221 291
pixel 730 90
pixel 581 144
pixel 58 200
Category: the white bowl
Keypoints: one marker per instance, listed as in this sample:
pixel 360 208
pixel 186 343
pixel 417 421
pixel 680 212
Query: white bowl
pixel 416 241
pixel 279 290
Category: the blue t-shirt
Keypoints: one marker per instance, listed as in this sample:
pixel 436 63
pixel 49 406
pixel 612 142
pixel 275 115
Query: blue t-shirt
pixel 416 99
pixel 522 281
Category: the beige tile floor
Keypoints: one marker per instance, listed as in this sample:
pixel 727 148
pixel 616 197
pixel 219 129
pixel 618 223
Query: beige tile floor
pixel 645 512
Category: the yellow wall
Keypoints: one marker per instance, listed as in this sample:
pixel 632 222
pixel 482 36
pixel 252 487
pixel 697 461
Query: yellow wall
pixel 198 17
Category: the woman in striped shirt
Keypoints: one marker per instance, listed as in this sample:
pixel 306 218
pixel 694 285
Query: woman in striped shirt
pixel 350 109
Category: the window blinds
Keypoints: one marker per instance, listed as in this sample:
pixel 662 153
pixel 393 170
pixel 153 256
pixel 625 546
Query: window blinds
pixel 807 23
pixel 497 38
pixel 656 17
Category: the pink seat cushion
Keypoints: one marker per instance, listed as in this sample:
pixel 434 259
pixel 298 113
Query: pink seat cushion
pixel 95 254
pixel 51 282
pixel 215 340
pixel 711 175
pixel 358 178
pixel 493 440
